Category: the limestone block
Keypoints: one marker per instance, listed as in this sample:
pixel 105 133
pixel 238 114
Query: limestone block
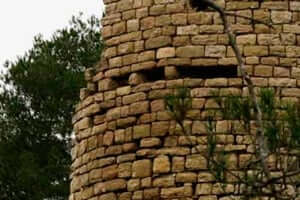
pixel 175 8
pixel 281 17
pixel 179 19
pixel 114 113
pixel 108 196
pixel 166 52
pixel 163 20
pixel 186 177
pixel 110 186
pixel 160 128
pixel 83 124
pixel 113 150
pixel 205 39
pixel 157 42
pixel 195 162
pixel 268 39
pixel 110 172
pixel 204 189
pixel 126 48
pixel 256 51
pixel 190 51
pixel 204 177
pixel 263 70
pixel 142 168
pixel 150 142
pixel 181 41
pixel 133 25
pixel 124 170
pixel 134 98
pixel 126 157
pixel 161 164
pixel 291 28
pixel 95 175
pixel 143 66
pixel 290 92
pixel 200 18
pixel 157 10
pixel 293 51
pixel 141 131
pixel 295 6
pixel 119 28
pixel 164 181
pixel 188 30
pixel 152 193
pixel 146 56
pixel 277 5
pixel 147 23
pixel 139 107
pixel 107 84
pixel 239 5
pixel 125 122
pixel 133 184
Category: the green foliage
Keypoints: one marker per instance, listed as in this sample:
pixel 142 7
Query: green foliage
pixel 36 103
pixel 281 132
pixel 179 103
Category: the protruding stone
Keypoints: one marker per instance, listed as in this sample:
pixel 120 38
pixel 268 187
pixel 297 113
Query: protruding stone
pixel 136 78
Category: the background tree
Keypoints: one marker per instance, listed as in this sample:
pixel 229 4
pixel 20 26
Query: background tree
pixel 36 104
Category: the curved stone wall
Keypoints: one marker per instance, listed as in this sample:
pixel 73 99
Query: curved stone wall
pixel 127 146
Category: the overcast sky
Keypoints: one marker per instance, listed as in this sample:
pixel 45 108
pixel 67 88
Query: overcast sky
pixel 21 20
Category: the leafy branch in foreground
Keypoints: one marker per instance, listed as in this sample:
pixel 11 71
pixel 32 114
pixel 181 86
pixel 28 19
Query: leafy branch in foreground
pixel 281 122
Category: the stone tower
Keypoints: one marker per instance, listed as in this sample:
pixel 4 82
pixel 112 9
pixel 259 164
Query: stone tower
pixel 127 146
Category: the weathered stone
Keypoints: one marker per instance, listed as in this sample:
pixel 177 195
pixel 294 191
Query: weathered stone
pixel 195 162
pixel 108 196
pixel 108 186
pixel 141 131
pixel 256 51
pixel 134 98
pixel 150 142
pixel 215 51
pixel 166 52
pixel 159 128
pixel 124 170
pixel 136 78
pixel 281 17
pixel 188 30
pixel 133 185
pixel 107 84
pixel 179 19
pixel 110 172
pixel 186 177
pixel 164 181
pixel 157 42
pixel 142 168
pixel 161 164
pixel 190 51
pixel 139 107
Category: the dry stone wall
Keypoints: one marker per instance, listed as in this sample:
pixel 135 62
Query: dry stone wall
pixel 127 147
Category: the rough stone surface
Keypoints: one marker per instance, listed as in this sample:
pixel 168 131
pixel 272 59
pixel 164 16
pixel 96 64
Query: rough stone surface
pixel 126 145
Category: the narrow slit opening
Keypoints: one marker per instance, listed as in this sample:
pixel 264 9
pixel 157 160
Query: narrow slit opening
pixel 208 72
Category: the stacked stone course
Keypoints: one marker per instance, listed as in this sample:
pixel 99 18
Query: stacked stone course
pixel 127 146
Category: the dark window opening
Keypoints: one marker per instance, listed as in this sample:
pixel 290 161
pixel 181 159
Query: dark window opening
pixel 208 72
pixel 155 74
pixel 122 80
